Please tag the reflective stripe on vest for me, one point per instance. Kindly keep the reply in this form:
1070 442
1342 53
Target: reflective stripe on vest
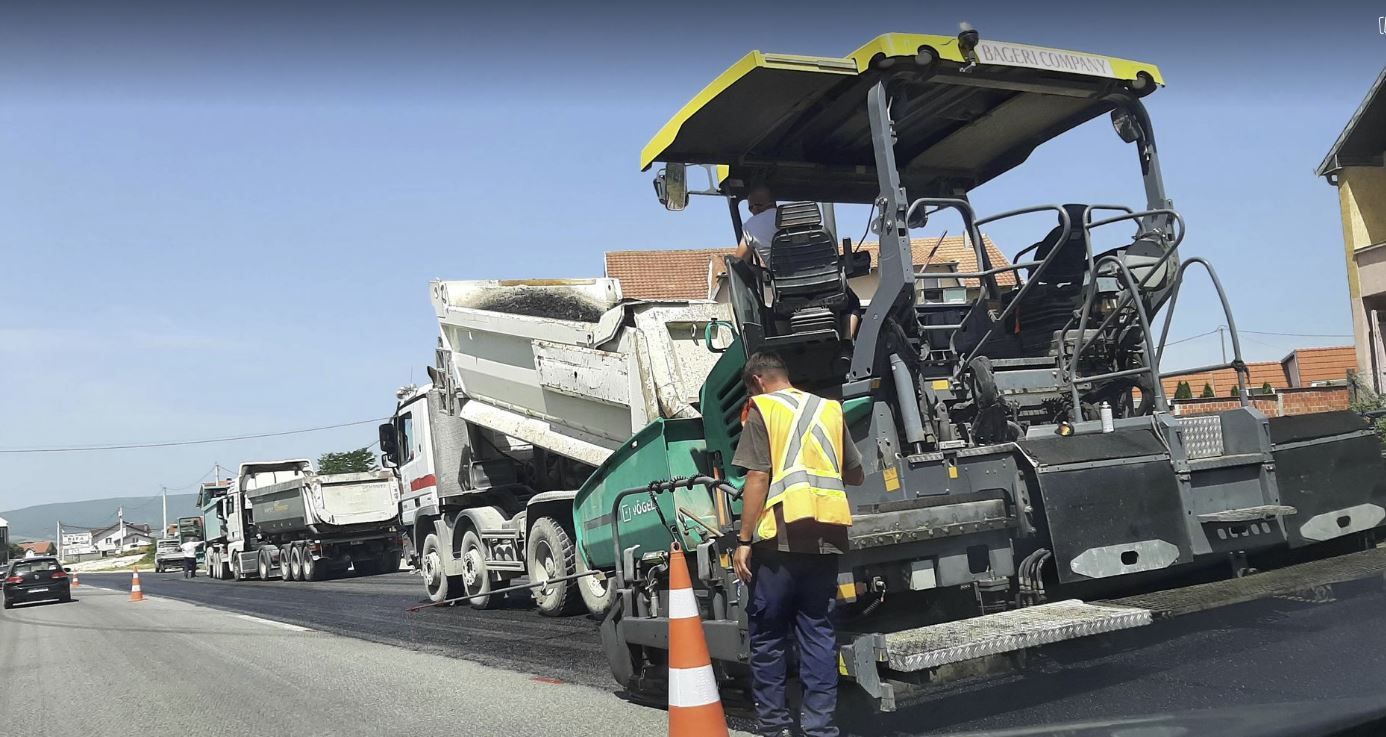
806 462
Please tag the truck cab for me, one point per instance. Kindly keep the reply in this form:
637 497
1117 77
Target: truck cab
480 509
167 555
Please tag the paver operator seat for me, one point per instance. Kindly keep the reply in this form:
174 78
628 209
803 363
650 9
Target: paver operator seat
1049 304
807 285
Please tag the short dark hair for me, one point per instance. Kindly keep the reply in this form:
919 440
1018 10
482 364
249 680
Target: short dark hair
764 363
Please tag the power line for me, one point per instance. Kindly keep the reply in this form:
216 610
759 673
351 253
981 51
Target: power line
1297 335
1191 337
172 443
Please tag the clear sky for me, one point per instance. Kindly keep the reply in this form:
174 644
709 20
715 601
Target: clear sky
221 218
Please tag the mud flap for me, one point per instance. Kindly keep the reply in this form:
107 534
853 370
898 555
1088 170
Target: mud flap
618 653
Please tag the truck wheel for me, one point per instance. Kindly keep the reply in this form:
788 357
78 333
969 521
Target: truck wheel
264 566
366 566
308 569
296 563
549 554
595 590
438 585
476 575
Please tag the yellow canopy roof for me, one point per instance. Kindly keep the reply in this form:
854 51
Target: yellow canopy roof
799 123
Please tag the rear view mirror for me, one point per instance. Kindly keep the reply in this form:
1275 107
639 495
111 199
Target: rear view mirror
1125 126
388 445
67 570
671 186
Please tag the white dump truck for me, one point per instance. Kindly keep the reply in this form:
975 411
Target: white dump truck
536 383
279 519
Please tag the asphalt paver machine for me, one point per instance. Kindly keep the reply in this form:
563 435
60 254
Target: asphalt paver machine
1027 481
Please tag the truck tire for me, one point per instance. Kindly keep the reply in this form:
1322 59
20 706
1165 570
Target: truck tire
296 563
264 566
438 585
549 554
476 575
595 590
308 568
366 566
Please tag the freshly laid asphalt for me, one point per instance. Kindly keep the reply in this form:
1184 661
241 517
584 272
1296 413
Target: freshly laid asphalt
1268 652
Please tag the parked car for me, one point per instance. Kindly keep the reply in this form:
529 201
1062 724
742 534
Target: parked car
36 579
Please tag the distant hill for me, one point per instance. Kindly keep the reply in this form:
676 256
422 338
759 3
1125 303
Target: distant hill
39 521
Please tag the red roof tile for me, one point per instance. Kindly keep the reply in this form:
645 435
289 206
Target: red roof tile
684 274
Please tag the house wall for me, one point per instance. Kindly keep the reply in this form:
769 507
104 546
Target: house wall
1362 201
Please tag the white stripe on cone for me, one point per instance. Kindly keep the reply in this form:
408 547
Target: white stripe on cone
692 686
682 605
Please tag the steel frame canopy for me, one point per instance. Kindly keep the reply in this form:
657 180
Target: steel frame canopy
961 115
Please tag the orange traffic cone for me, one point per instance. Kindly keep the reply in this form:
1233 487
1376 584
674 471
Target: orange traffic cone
135 593
76 580
695 708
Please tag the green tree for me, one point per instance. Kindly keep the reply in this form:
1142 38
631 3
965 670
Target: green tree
15 551
1207 392
351 461
1267 389
1183 391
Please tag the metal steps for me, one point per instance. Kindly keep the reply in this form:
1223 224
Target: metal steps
1017 629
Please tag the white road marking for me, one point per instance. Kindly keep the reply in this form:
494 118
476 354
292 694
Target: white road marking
272 623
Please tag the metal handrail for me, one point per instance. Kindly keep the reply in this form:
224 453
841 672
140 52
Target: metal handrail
652 488
1175 238
1236 364
1034 278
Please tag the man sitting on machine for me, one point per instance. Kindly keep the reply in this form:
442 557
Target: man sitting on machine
758 236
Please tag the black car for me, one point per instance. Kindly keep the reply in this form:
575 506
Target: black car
36 579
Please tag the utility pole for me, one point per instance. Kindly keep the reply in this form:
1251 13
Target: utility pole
1222 343
164 530
58 541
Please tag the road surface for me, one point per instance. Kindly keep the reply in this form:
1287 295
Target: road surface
1266 652
174 668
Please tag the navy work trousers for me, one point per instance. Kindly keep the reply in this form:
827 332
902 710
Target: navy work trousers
793 590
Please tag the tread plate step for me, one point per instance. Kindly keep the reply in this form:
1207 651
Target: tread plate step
1017 629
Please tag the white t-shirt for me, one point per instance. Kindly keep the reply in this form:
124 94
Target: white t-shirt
759 230
189 548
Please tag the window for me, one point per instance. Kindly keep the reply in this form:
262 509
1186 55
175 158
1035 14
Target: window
406 437
34 566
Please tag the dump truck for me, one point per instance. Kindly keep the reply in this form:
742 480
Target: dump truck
209 507
1027 480
279 519
536 384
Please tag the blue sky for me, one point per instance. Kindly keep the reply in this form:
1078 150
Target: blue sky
222 219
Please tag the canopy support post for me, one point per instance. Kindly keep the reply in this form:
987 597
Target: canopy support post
896 258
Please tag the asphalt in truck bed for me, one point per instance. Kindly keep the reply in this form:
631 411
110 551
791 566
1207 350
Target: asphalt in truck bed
1267 652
